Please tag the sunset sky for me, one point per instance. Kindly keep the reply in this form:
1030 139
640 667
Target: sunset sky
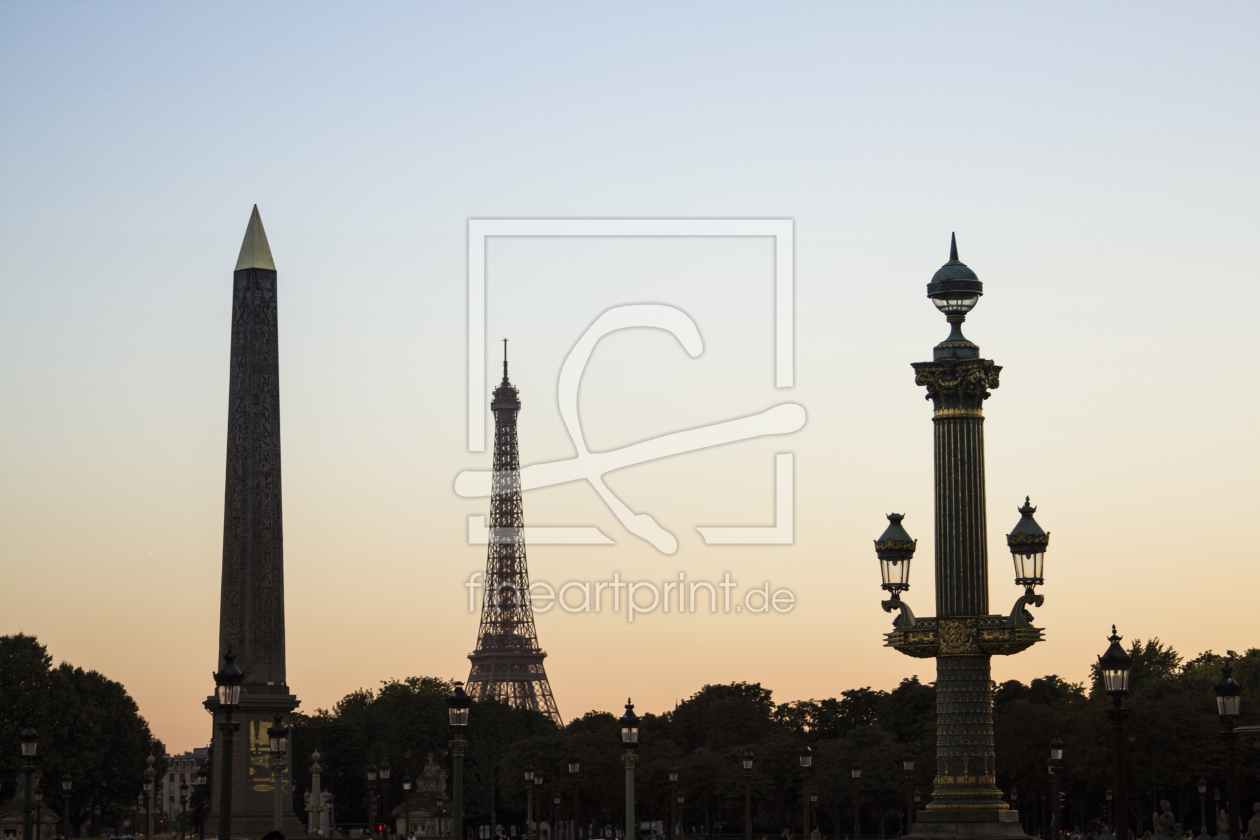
1098 163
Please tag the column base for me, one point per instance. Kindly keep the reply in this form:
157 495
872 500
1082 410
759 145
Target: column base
966 825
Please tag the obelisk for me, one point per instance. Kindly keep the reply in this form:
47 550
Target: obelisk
251 611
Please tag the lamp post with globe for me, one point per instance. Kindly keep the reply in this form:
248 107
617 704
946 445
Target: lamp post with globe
66 784
575 768
538 804
30 743
149 774
963 636
855 772
1115 665
278 740
529 800
457 705
1202 805
806 758
746 758
1056 761
1229 706
227 689
629 739
673 795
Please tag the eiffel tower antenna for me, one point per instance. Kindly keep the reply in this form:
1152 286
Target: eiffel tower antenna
508 663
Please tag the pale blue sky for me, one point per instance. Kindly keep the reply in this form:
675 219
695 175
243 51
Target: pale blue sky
1097 160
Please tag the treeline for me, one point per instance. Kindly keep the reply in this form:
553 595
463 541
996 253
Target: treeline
88 727
1174 740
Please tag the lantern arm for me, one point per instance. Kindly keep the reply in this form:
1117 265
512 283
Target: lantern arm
1021 617
906 620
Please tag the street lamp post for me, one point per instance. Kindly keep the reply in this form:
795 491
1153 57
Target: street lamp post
183 808
66 784
1111 825
372 798
856 773
1056 761
575 767
538 803
149 774
278 736
227 685
679 799
747 759
629 738
529 799
556 834
813 813
1229 705
1014 804
30 743
96 819
202 804
907 765
1115 665
39 812
1202 805
673 796
382 815
457 705
963 637
807 761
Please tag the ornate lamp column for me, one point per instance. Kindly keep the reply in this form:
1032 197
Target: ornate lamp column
278 736
67 783
227 690
372 798
30 742
747 760
1115 665
966 802
149 773
538 802
575 767
630 738
807 761
1056 761
907 765
856 774
1228 704
1202 805
457 711
673 796
529 800
202 804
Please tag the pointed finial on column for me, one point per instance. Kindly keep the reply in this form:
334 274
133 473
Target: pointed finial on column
953 247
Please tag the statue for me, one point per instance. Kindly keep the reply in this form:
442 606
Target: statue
1166 826
1253 825
1222 825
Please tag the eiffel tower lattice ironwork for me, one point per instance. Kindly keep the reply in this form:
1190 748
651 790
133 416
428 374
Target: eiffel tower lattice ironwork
508 663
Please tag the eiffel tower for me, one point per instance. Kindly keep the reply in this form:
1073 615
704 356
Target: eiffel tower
508 663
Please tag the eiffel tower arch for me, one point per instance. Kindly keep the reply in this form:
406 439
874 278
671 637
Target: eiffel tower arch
508 663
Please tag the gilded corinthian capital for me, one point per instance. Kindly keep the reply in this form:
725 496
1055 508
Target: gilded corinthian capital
957 385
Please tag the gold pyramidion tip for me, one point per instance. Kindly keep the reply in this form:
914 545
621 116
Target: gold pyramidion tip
255 252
